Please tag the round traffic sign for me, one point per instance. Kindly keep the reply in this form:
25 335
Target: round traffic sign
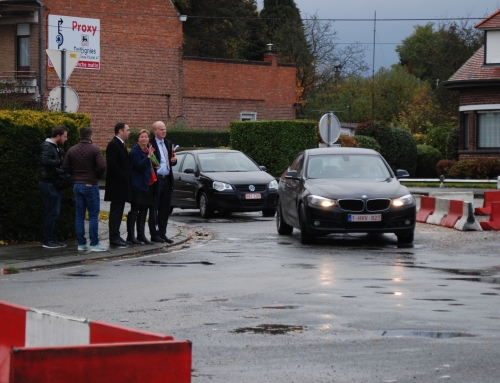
329 128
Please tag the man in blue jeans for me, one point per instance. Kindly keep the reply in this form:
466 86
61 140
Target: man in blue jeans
52 160
86 162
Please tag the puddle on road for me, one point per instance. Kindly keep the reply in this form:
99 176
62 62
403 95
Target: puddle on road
173 264
349 296
272 329
426 334
489 294
281 307
373 287
285 243
300 266
218 300
495 280
435 299
81 274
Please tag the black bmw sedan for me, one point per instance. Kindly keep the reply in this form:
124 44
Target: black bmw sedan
343 190
224 181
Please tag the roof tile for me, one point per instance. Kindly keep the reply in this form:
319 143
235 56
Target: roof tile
474 69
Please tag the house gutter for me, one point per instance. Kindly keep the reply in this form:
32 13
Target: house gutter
40 52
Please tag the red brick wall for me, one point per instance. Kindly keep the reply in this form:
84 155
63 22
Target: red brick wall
140 63
8 48
216 91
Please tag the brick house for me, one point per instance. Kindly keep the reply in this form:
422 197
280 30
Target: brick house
139 74
478 84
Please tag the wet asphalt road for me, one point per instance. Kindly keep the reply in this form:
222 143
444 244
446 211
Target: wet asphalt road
260 307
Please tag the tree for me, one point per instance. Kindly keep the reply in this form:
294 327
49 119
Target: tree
222 29
434 53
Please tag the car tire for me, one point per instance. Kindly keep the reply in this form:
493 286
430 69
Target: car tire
268 212
282 227
406 238
206 210
305 236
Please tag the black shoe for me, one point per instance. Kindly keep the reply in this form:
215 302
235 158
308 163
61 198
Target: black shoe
131 240
157 239
119 242
164 237
144 240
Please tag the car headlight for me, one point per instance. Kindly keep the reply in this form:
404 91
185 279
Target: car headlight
273 185
321 201
403 201
221 186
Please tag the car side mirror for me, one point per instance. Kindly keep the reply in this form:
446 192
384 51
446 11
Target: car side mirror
400 173
189 171
292 174
263 168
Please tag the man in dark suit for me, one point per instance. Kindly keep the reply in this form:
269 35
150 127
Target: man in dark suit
118 189
160 211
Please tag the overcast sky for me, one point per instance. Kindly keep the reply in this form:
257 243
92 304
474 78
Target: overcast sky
389 33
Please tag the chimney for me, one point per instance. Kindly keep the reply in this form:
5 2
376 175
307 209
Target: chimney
270 55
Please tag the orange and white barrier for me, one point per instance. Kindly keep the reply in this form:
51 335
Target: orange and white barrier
40 346
494 221
490 196
457 214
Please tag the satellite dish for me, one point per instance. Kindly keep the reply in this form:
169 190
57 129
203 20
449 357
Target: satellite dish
54 100
329 128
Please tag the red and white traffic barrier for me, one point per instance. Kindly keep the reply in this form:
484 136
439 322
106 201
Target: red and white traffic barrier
490 196
457 214
40 346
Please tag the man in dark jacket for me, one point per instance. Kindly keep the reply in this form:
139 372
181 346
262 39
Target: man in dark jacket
86 162
160 211
52 160
117 181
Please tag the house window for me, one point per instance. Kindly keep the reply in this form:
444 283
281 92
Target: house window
488 130
466 130
23 49
248 116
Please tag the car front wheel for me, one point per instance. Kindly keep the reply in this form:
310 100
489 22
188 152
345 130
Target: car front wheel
406 238
205 207
282 227
305 236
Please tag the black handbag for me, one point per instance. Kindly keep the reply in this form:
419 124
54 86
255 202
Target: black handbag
63 181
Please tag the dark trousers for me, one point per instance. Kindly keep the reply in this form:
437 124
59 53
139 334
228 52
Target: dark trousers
115 219
160 211
52 199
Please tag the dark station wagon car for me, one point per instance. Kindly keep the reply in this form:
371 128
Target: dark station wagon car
224 181
344 190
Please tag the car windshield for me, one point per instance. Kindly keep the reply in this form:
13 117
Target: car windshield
226 162
347 166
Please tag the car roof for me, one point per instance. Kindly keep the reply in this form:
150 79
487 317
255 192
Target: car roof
339 150
205 151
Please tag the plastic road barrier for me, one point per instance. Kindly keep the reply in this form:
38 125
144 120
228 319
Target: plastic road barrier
427 206
40 346
490 196
494 222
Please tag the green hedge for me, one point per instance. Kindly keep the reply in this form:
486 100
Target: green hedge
368 143
427 160
452 143
21 207
480 168
437 138
398 145
187 138
273 144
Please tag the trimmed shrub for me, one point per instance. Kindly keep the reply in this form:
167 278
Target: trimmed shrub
368 143
462 169
437 138
273 144
453 143
347 141
397 145
427 159
419 138
187 138
444 166
21 207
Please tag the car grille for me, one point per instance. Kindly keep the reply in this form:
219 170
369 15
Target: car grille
351 204
245 189
378 204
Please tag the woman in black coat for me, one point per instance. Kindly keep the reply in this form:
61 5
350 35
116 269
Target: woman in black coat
142 178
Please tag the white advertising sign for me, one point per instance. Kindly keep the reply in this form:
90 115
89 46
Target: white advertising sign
77 34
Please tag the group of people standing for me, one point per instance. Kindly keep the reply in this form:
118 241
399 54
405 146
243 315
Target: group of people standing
142 178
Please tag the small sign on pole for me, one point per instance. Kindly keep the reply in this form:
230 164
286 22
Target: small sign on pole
329 129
